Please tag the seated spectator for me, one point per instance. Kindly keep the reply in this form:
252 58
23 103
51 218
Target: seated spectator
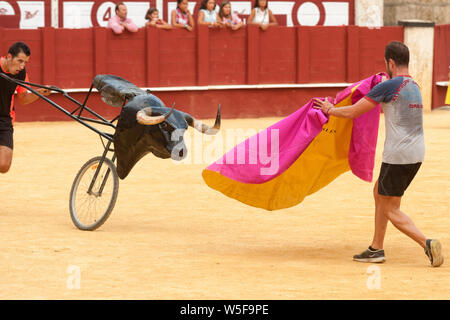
207 15
229 19
120 22
261 15
152 16
181 17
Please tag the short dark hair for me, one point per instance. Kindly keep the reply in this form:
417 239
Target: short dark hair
398 52
118 5
19 47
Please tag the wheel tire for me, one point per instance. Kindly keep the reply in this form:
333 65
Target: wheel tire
78 197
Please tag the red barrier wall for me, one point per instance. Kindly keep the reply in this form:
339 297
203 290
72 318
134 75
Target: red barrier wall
441 63
151 57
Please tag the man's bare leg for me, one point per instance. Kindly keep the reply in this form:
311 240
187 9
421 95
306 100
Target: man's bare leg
390 207
387 208
6 154
381 221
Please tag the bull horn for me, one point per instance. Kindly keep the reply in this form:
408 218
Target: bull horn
203 128
145 117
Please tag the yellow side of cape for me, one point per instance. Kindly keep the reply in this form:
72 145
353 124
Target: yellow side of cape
322 161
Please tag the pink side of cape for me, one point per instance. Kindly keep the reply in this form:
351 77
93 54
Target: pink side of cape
252 161
363 144
288 138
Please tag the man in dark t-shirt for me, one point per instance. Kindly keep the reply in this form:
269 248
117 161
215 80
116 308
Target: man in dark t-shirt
13 65
403 154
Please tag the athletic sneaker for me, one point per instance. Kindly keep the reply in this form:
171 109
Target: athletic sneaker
374 256
433 251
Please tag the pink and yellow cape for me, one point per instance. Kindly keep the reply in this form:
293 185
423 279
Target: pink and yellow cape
297 156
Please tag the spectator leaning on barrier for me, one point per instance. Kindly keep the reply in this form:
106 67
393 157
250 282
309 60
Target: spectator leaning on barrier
120 22
181 17
261 15
229 19
152 16
207 15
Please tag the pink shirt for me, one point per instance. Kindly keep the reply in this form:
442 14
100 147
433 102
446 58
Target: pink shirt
233 20
114 24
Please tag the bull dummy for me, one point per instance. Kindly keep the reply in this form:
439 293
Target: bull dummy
145 124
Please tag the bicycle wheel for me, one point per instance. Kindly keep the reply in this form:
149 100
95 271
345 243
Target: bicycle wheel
89 209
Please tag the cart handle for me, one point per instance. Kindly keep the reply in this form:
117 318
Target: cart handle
25 85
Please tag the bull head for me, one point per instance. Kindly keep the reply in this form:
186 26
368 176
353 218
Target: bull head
157 129
145 124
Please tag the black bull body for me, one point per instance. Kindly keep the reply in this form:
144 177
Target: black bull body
145 125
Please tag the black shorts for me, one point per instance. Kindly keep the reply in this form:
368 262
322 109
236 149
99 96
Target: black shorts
6 136
394 179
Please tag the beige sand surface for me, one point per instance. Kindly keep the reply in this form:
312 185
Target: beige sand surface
171 237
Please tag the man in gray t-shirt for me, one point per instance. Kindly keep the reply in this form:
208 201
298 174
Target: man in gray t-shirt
404 150
401 101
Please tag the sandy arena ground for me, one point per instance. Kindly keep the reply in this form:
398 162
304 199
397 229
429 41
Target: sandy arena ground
171 237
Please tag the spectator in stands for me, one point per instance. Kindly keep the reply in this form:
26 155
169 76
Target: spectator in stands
181 17
261 15
229 19
208 15
120 22
152 16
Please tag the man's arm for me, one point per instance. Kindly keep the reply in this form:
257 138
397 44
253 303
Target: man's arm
115 26
130 25
353 111
29 97
26 97
378 94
